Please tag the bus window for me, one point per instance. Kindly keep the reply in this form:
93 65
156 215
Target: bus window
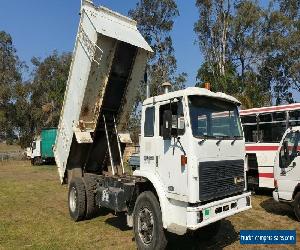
265 118
250 132
250 128
279 117
265 128
279 126
251 119
294 118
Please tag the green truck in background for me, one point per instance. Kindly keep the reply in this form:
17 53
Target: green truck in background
42 147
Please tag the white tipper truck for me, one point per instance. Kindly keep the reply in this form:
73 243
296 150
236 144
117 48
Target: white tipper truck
191 172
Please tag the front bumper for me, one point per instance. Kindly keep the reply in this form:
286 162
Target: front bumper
201 216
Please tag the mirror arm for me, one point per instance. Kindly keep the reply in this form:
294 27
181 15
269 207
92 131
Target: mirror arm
178 140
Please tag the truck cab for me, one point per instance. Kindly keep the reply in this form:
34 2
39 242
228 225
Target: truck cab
287 170
36 155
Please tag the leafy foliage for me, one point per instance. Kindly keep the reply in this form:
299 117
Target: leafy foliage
26 107
10 77
155 20
48 87
254 57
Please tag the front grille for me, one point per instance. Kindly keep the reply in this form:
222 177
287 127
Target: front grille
218 178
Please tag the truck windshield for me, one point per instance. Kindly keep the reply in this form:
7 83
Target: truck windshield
289 149
212 118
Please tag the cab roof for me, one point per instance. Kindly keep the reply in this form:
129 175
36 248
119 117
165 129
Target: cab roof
188 92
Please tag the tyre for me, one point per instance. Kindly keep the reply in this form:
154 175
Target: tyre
208 232
37 161
297 206
147 223
90 187
77 199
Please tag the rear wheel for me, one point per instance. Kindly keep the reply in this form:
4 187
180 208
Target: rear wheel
77 199
297 206
148 227
90 187
37 161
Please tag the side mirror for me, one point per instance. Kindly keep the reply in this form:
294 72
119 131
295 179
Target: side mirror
167 125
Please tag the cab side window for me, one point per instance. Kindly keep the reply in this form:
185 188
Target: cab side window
177 117
149 122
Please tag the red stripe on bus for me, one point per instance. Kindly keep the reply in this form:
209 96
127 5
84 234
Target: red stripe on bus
269 109
261 148
266 175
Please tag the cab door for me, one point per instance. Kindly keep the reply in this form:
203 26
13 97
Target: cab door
288 165
170 150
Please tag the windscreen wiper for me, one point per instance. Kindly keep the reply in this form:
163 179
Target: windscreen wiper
235 137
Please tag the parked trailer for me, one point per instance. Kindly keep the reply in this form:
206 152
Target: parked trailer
263 129
191 169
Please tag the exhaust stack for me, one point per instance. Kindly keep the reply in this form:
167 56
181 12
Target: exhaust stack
166 87
147 84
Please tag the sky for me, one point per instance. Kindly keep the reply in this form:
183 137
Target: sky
38 27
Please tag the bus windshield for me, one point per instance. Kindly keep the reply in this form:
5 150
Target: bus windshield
212 118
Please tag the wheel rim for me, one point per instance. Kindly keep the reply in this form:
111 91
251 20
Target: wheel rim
73 199
145 225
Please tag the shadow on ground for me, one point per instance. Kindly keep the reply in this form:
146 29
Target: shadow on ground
263 191
273 207
119 222
226 236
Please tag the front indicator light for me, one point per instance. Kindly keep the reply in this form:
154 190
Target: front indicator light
183 160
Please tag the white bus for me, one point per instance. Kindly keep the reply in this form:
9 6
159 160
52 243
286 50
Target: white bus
263 129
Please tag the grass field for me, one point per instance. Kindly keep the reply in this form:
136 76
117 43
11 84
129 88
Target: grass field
9 148
34 214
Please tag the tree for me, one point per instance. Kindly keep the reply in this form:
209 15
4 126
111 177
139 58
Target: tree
23 121
48 87
212 31
10 76
231 41
283 49
155 20
261 50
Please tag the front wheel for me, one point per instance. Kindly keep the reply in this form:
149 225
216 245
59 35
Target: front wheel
147 224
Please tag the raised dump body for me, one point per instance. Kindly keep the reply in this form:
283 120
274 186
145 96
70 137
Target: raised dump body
108 64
